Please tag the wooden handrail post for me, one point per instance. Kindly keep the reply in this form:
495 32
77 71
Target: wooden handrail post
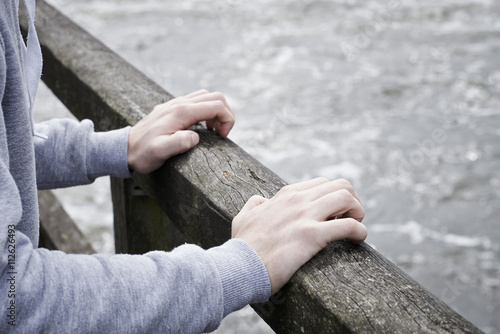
140 225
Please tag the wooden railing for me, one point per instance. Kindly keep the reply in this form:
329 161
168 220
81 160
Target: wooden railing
194 196
57 229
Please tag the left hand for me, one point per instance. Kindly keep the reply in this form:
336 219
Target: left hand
299 221
162 134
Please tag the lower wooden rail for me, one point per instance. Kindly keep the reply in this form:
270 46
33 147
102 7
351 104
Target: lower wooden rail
57 229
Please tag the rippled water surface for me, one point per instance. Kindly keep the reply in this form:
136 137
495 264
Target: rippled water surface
400 97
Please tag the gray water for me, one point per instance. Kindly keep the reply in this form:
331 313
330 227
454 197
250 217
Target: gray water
400 97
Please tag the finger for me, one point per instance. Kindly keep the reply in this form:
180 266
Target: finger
211 124
185 98
305 185
177 143
330 187
209 110
218 128
215 96
223 128
195 94
346 228
340 203
253 202
181 99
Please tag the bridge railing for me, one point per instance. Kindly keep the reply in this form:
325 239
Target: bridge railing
344 289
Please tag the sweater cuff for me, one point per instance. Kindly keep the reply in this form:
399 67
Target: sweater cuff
244 277
107 153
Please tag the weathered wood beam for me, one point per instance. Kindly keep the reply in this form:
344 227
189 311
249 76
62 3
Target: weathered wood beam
140 225
57 229
345 288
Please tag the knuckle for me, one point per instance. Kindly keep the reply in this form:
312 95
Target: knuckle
180 109
158 108
158 112
156 149
302 210
361 214
295 200
295 197
308 231
345 195
185 143
219 96
292 198
344 183
323 179
219 104
286 189
255 198
351 226
312 234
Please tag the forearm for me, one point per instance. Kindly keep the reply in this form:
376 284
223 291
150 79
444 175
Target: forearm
74 154
188 290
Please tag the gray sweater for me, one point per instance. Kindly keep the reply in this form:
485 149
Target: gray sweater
188 290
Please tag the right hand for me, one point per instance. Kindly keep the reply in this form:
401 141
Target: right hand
162 133
300 220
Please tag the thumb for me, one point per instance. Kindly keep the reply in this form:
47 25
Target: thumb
181 141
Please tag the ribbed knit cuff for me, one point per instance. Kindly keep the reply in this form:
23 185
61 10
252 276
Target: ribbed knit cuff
244 277
107 153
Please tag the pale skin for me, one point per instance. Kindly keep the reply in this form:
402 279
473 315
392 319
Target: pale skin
286 230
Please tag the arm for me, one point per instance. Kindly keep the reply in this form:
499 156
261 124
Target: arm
74 154
185 291
188 290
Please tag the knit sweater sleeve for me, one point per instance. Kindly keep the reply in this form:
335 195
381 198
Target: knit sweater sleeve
73 154
188 290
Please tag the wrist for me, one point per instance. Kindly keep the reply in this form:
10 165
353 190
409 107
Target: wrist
108 153
243 275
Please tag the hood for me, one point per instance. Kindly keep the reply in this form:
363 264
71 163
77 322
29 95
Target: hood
33 62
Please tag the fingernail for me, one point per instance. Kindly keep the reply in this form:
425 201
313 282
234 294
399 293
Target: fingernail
195 138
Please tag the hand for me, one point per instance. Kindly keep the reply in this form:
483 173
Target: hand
162 133
300 220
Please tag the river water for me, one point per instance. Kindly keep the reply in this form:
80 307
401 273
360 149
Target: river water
400 97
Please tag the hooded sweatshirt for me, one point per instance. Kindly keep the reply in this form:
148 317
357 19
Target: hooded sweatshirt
188 290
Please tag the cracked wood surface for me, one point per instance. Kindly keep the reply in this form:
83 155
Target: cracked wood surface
345 288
